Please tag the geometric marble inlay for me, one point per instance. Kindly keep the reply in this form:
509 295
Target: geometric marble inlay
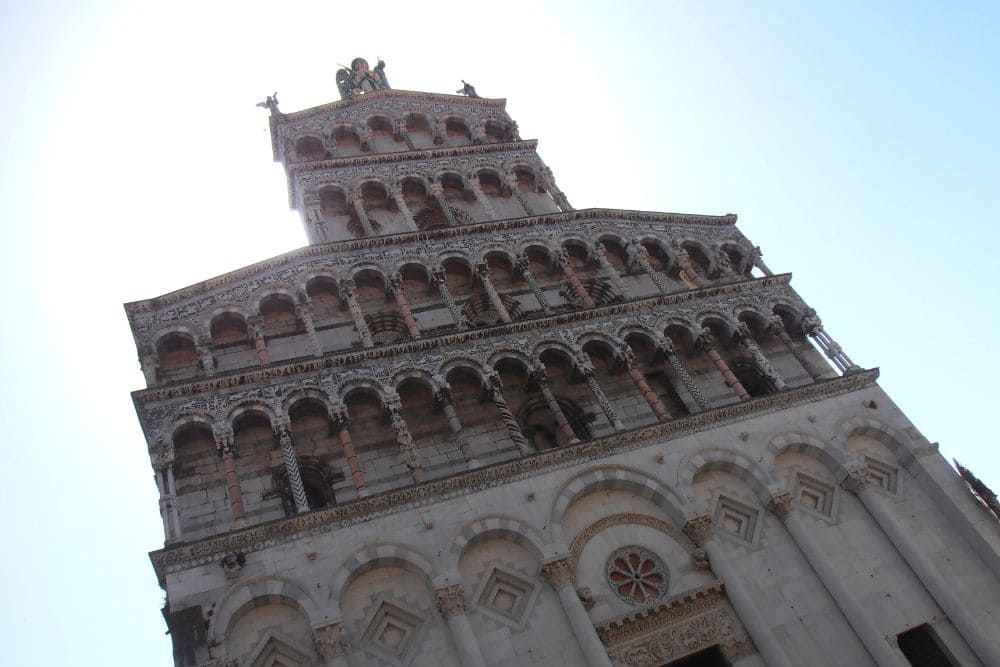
637 575
506 596
881 475
391 632
813 494
735 518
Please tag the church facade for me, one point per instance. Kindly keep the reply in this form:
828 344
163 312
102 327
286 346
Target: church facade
468 424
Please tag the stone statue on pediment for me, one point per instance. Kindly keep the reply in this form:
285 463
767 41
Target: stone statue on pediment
359 78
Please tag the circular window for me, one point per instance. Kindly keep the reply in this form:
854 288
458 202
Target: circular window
637 575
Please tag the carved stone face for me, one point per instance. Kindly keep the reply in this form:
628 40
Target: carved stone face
359 65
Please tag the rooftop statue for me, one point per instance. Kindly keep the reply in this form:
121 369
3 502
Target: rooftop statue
467 89
271 104
359 79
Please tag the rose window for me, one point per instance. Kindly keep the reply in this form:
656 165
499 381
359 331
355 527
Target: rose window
637 575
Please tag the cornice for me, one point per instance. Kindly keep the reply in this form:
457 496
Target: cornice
332 360
479 228
626 626
256 538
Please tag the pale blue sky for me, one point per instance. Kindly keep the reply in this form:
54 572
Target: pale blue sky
859 145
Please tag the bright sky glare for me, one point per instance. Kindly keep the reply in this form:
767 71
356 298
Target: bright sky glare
857 142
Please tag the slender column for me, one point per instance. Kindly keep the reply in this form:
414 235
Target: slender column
670 352
225 443
351 296
982 644
560 572
358 202
757 258
691 273
707 343
437 191
562 260
493 384
314 215
407 450
439 278
283 431
610 271
549 183
163 466
204 349
477 189
329 141
367 138
641 257
483 273
812 325
627 358
395 288
512 184
699 529
149 362
860 620
440 132
542 378
404 208
450 601
401 133
524 266
585 367
746 339
723 262
304 312
255 326
443 397
339 421
331 644
777 328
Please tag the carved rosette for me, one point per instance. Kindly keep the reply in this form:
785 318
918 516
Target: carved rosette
637 575
450 600
560 572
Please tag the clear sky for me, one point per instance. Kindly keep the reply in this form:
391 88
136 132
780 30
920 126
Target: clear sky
857 143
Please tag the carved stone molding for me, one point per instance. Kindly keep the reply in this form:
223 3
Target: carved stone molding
780 505
856 479
699 528
634 518
364 509
678 627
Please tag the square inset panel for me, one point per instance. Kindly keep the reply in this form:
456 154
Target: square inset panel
813 494
882 475
735 518
391 632
506 596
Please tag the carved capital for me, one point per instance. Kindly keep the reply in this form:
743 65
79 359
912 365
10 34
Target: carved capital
780 505
329 640
539 374
705 340
163 454
856 479
699 529
338 416
394 285
232 563
450 600
225 440
775 325
666 346
559 572
356 197
742 331
625 356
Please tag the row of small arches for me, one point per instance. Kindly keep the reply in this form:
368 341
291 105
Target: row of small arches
382 133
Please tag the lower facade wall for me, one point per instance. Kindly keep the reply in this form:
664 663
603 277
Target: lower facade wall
478 579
